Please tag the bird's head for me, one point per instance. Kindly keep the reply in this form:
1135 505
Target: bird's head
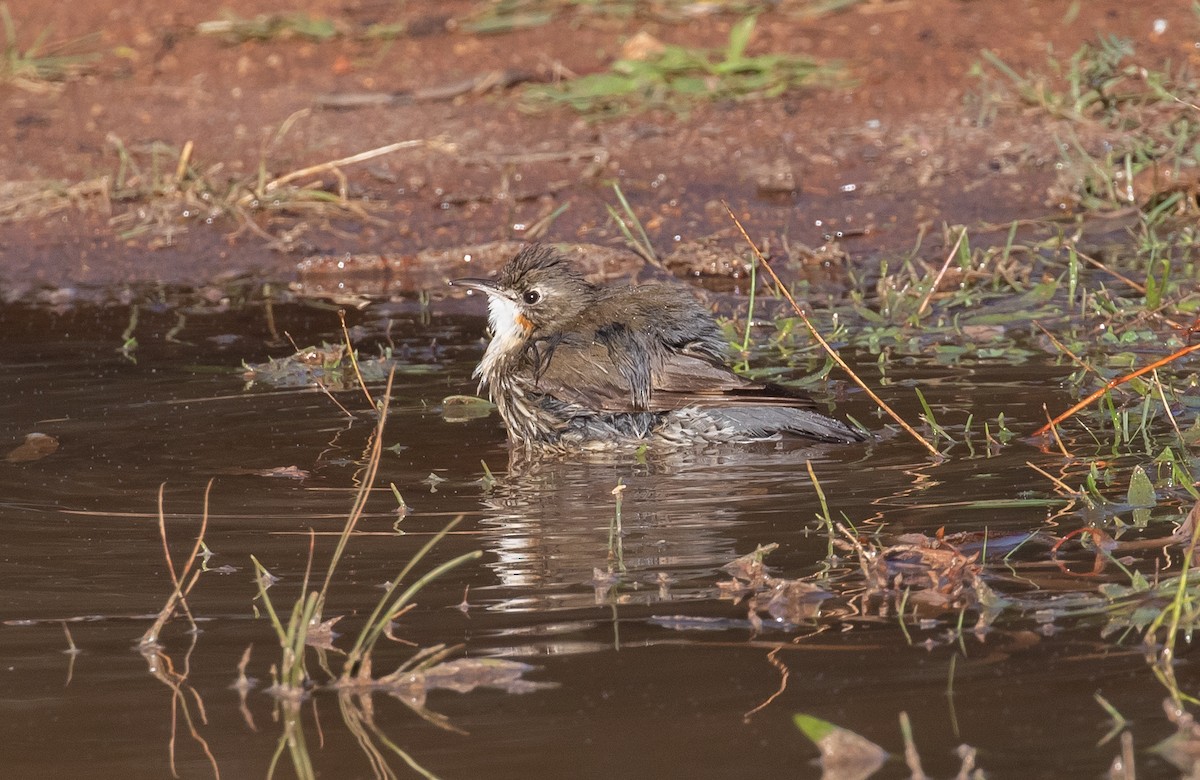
536 295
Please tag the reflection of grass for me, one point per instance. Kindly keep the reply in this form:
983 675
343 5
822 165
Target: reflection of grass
306 613
677 76
303 628
33 67
158 662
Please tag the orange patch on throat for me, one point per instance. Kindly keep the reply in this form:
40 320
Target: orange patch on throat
524 322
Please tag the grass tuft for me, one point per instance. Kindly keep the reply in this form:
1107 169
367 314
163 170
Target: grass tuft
40 66
676 77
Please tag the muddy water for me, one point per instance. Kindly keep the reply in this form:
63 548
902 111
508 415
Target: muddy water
643 688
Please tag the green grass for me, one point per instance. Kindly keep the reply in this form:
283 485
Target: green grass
676 77
36 66
265 27
502 16
631 227
1128 133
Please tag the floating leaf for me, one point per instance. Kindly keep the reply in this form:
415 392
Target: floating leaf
466 674
462 675
844 754
322 635
278 472
1141 496
1181 749
1141 490
433 480
35 447
697 623
460 408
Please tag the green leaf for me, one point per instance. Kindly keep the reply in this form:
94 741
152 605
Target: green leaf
460 408
843 752
1141 490
739 38
812 727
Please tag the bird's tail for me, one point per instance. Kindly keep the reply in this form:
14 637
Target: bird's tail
766 421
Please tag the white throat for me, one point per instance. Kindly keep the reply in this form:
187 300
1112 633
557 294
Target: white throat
507 334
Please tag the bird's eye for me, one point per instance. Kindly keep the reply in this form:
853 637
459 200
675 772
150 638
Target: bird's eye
531 297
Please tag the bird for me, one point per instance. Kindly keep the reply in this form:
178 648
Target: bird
572 365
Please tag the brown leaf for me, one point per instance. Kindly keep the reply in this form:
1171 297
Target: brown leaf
466 674
845 755
1187 529
641 47
750 567
285 472
463 675
796 601
322 636
36 447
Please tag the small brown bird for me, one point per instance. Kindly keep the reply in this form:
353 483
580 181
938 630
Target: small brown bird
572 365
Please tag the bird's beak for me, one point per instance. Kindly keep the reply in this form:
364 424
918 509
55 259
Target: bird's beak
486 286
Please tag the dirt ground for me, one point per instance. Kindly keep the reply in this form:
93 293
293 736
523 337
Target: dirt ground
904 142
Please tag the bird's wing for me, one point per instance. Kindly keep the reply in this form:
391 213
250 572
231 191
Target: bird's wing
637 378
584 374
685 380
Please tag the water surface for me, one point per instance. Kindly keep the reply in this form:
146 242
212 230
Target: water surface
640 690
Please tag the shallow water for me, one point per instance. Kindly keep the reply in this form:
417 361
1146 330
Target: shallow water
641 691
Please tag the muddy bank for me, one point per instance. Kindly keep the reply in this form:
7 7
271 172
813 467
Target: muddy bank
901 140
